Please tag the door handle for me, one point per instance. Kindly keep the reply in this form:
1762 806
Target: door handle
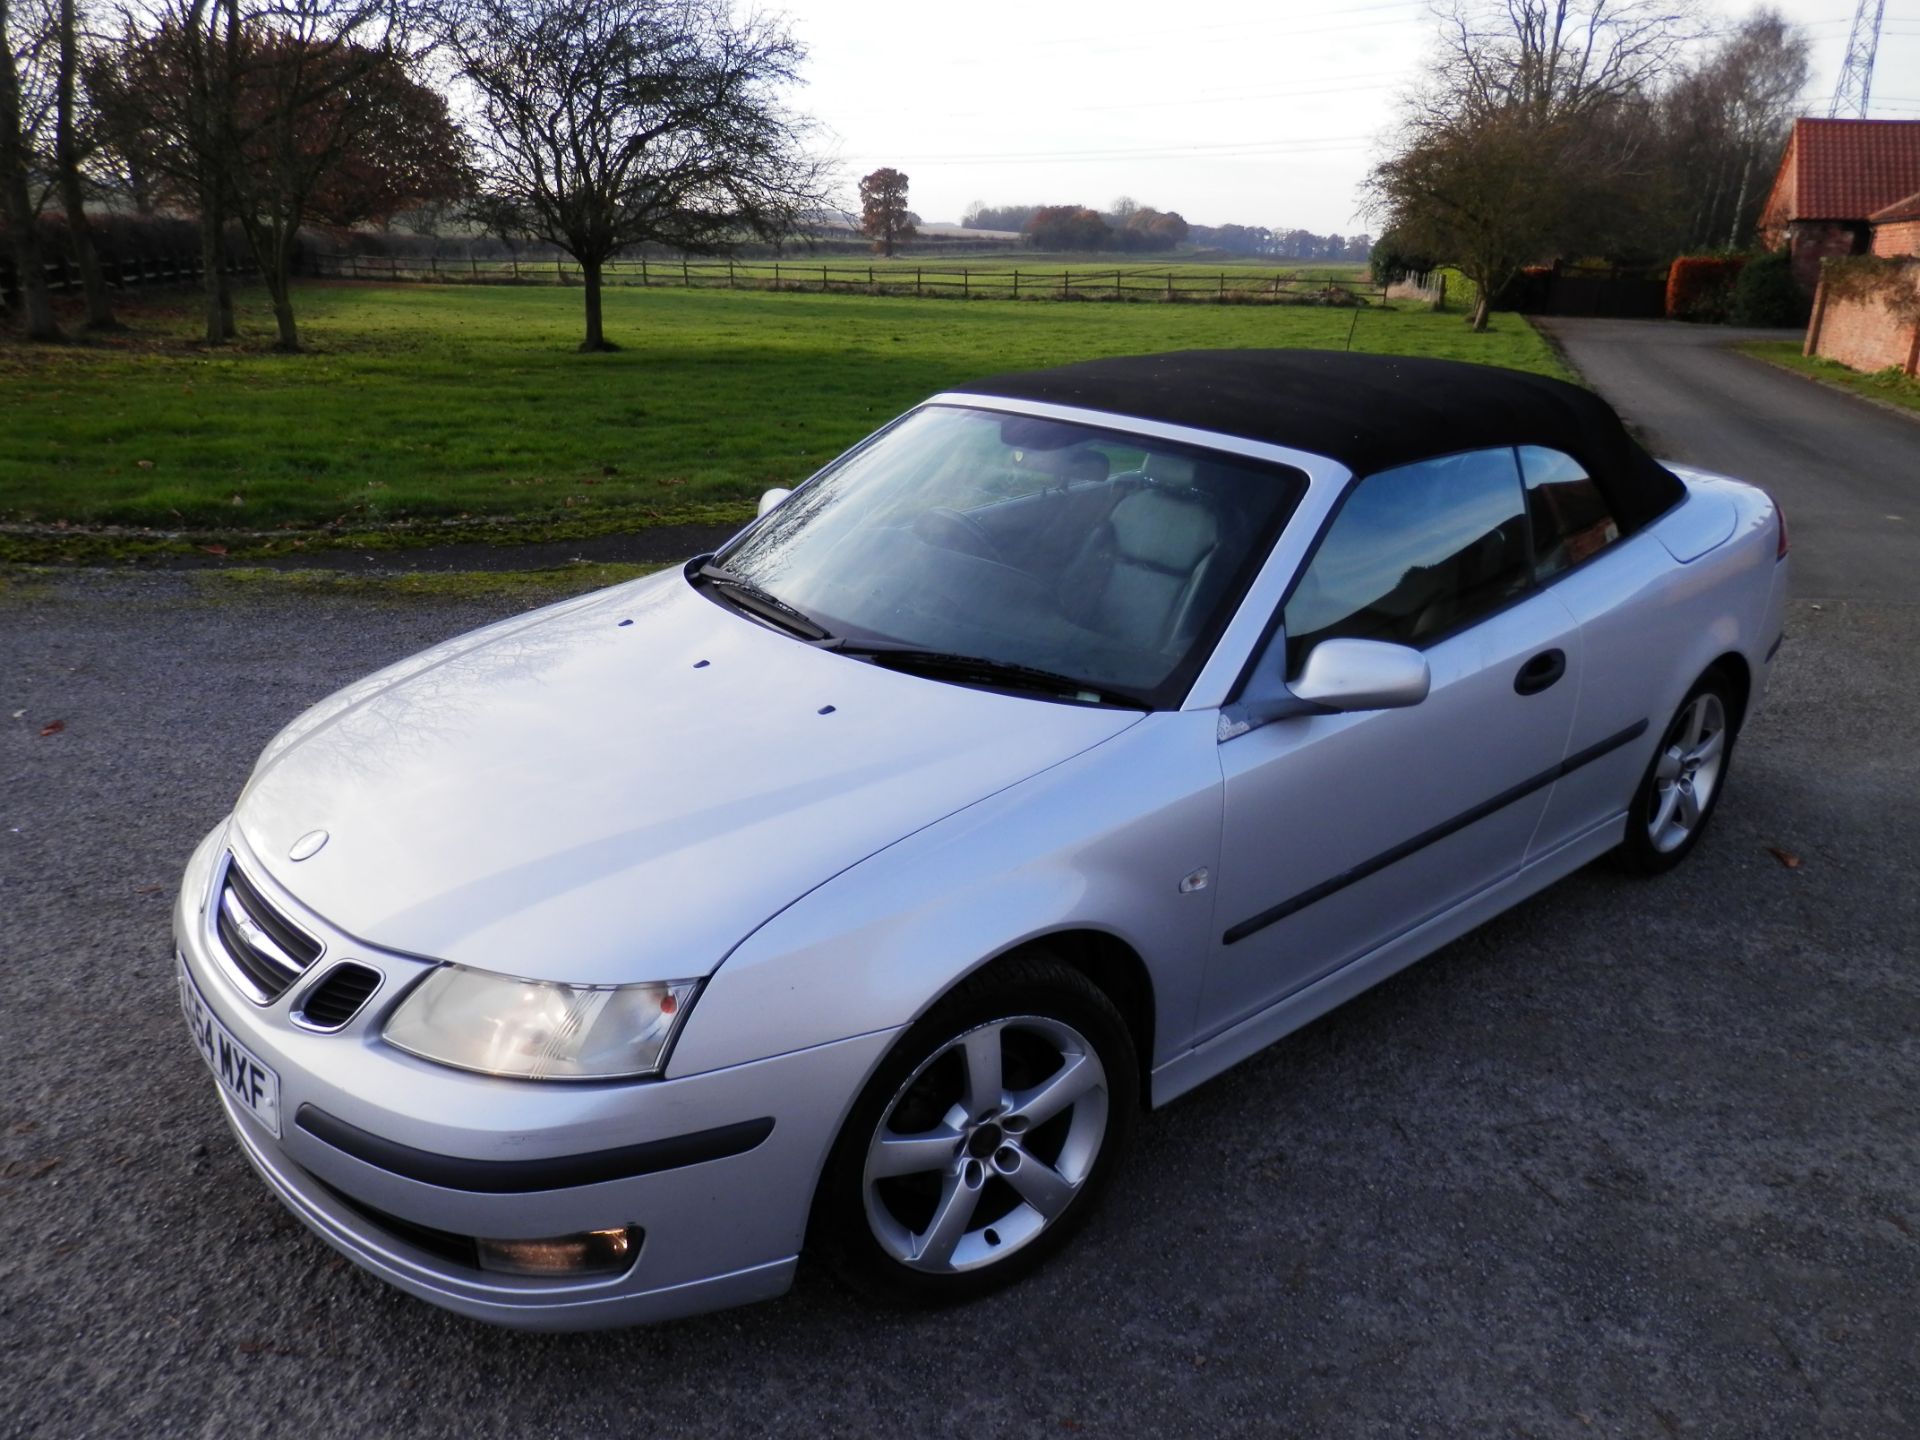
1540 672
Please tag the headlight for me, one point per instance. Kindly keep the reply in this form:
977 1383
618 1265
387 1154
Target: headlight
537 1029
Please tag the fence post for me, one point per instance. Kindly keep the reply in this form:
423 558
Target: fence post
1169 284
1116 284
776 274
1811 346
1223 284
1066 279
1442 304
824 286
869 277
966 283
1016 284
729 272
685 278
916 280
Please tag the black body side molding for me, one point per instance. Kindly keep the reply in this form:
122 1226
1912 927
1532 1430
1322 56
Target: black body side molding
1439 832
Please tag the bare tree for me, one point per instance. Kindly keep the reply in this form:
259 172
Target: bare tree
1529 132
609 123
1725 122
883 209
24 39
1554 60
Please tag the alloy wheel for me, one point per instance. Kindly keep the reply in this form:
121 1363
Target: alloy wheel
1686 772
986 1145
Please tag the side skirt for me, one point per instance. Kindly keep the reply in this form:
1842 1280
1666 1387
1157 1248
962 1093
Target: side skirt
1282 1018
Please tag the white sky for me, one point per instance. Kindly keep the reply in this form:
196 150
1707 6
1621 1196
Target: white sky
1257 112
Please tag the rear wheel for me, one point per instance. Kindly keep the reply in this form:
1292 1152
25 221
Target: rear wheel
1676 798
984 1139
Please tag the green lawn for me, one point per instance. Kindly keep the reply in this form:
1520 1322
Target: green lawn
428 403
1888 385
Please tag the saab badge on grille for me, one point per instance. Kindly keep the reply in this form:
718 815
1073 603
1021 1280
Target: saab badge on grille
308 845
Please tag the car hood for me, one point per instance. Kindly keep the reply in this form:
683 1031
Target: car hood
624 787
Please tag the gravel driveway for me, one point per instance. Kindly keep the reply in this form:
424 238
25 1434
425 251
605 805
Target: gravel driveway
1638 1159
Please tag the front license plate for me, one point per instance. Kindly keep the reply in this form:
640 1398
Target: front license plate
238 1069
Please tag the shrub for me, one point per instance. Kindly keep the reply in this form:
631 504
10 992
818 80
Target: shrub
1765 293
1700 287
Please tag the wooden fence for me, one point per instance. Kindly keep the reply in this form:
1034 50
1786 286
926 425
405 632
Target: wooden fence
932 281
122 272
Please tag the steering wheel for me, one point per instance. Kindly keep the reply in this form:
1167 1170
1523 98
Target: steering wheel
952 529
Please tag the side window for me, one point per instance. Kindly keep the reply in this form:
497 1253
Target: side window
1413 554
1569 515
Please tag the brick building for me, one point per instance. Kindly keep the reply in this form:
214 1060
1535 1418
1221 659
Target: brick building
1896 229
1834 181
1880 329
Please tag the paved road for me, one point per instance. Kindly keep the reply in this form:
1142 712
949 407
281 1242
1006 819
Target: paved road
1846 471
1638 1159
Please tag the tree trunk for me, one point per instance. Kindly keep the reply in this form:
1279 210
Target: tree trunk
213 276
596 336
1482 308
1740 203
275 264
16 204
72 194
35 298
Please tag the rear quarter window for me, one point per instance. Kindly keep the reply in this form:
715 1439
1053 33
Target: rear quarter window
1570 518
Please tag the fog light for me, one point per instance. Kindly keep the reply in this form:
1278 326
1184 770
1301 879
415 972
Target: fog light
594 1252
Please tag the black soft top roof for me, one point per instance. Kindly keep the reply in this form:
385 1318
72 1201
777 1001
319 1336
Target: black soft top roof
1370 412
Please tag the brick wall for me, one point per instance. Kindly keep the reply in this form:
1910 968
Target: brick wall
1864 333
1817 240
1899 237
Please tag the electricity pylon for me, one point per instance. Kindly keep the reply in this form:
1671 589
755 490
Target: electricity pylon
1856 71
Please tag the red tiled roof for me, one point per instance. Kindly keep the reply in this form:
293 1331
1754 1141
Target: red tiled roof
1848 169
1907 209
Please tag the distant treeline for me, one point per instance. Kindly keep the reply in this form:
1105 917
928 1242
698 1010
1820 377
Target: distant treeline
1127 225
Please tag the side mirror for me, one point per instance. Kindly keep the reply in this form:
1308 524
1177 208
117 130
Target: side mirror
1339 675
771 498
1362 675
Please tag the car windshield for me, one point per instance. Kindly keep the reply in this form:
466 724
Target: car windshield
1104 560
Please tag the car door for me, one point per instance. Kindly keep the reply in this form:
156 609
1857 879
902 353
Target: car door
1342 831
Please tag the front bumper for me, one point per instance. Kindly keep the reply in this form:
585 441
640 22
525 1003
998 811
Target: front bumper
717 1231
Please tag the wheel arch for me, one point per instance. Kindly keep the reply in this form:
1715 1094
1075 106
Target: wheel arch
1116 968
1739 673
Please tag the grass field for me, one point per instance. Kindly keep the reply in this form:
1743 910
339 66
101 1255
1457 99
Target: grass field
429 402
1888 385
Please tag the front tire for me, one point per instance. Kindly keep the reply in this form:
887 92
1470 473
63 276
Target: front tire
1682 785
984 1139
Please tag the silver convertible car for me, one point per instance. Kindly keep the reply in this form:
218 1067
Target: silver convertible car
851 890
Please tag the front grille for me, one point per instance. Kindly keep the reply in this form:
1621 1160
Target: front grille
339 996
266 948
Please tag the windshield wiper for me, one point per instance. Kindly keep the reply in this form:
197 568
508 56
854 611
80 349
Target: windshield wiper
1004 674
748 596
